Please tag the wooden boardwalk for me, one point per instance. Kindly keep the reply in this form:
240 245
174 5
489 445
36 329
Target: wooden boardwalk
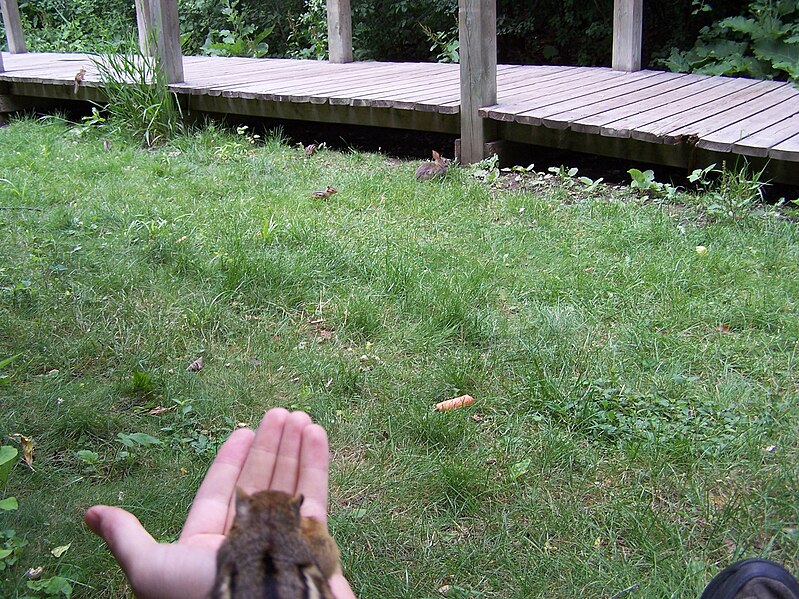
671 118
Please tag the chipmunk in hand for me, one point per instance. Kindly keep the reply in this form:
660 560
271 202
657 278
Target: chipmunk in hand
271 551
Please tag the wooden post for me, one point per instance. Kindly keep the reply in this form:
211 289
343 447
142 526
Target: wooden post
165 22
339 30
477 20
144 24
627 27
13 25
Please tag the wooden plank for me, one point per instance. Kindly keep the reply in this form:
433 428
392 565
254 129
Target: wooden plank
762 142
477 25
786 150
339 30
302 91
164 14
567 97
747 119
590 118
533 92
628 19
622 121
13 26
689 121
566 114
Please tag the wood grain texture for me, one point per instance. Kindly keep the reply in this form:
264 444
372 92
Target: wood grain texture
144 25
166 23
628 19
477 21
339 30
13 26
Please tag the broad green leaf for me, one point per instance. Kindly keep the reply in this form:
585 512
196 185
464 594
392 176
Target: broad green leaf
52 586
9 504
7 456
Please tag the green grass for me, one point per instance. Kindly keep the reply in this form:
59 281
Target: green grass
627 387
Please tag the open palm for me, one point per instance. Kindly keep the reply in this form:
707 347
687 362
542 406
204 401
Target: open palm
286 453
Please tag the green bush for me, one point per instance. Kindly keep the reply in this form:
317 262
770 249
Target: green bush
75 26
763 44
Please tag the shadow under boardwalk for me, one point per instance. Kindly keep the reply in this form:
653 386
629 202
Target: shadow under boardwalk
664 118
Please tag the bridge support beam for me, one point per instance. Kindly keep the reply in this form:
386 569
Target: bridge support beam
144 25
628 18
164 21
477 20
13 25
339 30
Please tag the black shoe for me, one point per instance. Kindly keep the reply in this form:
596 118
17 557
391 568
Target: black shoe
753 579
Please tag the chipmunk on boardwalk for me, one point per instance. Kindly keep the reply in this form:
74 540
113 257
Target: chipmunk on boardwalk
271 551
78 79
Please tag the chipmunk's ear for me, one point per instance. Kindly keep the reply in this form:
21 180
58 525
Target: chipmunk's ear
242 504
296 502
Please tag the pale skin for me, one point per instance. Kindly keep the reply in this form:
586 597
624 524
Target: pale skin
286 453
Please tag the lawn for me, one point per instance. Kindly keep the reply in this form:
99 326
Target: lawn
633 362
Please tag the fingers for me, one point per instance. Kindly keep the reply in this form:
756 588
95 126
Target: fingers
340 587
313 472
287 465
274 455
257 471
209 510
123 533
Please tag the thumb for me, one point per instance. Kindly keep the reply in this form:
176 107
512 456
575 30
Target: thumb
123 533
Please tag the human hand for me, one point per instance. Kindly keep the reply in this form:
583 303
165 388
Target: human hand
287 453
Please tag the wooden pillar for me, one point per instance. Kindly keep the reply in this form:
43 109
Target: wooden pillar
13 25
628 17
165 22
477 20
339 30
144 24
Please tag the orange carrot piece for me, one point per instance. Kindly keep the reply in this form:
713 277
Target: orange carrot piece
455 402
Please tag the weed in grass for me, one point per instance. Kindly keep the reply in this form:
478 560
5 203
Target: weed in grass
139 101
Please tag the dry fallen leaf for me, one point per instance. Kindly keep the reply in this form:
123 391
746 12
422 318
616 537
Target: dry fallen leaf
59 551
27 448
196 366
157 410
724 328
34 573
325 335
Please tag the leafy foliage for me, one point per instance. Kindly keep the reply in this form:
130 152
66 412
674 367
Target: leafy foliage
240 39
75 26
764 44
308 37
